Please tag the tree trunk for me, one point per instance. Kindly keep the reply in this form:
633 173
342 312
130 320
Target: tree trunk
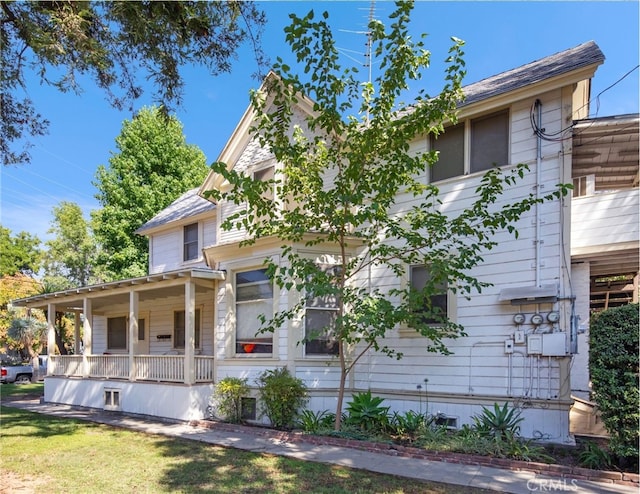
343 380
59 328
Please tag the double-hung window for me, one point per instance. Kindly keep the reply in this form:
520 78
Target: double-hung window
433 308
254 297
190 239
180 326
321 312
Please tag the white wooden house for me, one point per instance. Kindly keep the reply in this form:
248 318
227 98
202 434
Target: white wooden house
156 345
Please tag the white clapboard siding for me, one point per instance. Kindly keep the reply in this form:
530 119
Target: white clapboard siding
159 316
479 364
209 232
165 249
608 218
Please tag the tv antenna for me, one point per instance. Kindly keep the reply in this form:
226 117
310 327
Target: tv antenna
368 54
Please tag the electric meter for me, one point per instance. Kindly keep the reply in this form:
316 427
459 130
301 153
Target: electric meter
518 318
536 319
553 316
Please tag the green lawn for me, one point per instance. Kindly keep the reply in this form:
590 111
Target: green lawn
59 455
17 390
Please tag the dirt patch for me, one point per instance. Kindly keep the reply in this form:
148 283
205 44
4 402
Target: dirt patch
12 483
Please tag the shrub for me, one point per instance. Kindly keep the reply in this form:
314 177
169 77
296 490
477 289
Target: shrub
312 422
408 424
594 457
365 412
613 364
227 398
499 423
281 396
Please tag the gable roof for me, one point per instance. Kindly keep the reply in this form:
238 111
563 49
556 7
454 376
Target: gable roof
188 205
241 135
561 63
580 61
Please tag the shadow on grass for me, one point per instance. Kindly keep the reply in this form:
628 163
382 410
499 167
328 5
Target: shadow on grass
105 457
30 424
205 468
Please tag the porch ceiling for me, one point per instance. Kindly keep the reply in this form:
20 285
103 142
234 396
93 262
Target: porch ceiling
607 148
152 287
612 263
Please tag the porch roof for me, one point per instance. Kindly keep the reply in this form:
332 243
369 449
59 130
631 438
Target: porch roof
116 291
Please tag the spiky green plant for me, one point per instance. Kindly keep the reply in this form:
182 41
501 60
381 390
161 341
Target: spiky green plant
499 423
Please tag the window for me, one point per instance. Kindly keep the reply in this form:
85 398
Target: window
179 327
254 296
488 146
248 408
450 146
264 175
584 185
436 303
141 330
190 235
319 321
117 333
489 141
111 399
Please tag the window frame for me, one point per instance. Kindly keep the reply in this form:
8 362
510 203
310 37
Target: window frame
483 165
110 331
188 243
468 165
407 331
252 346
324 306
142 328
197 330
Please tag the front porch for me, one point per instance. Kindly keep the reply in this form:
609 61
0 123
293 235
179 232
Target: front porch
143 345
156 368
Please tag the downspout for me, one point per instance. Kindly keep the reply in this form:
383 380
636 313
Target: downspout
538 105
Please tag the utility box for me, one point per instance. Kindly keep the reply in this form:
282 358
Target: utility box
534 344
554 344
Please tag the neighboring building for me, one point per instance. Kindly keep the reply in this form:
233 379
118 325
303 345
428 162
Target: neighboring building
156 345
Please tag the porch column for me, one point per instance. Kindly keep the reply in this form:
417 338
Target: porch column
76 332
87 333
133 332
189 331
51 329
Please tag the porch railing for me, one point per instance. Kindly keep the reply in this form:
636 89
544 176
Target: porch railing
159 368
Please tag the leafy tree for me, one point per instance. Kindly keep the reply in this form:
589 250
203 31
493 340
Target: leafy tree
13 287
30 333
339 178
153 167
614 346
71 254
20 253
119 45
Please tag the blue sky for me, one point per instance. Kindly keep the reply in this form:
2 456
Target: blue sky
499 36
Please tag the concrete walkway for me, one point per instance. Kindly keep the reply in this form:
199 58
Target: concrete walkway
494 479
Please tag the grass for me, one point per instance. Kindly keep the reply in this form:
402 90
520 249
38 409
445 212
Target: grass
71 456
18 390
